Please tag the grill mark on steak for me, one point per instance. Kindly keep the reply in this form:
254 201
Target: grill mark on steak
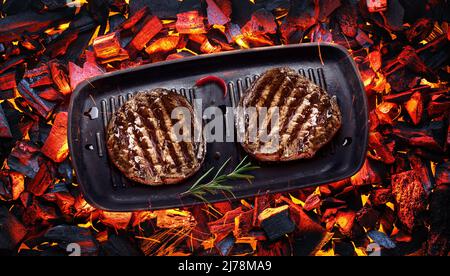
160 138
275 102
187 148
308 117
292 105
146 118
177 149
136 147
302 129
166 131
263 99
256 86
302 115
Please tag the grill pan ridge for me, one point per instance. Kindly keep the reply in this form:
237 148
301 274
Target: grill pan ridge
94 102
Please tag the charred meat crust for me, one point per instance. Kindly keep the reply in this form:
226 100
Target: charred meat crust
141 142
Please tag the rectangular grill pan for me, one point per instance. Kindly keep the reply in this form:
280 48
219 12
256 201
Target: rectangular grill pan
106 188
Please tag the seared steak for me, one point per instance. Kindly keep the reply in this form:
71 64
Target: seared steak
308 117
143 144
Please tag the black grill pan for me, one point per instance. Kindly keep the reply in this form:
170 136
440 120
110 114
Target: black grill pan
94 102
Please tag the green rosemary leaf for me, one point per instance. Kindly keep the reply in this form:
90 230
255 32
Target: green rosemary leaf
218 183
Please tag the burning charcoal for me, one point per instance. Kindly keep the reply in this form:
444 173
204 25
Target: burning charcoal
363 39
261 24
243 224
331 202
62 197
439 105
65 171
376 5
366 175
387 112
174 219
261 203
44 178
421 29
12 231
56 147
39 132
116 21
302 14
83 208
443 174
134 19
12 27
346 15
151 27
78 74
424 172
182 54
407 58
414 107
321 33
410 198
190 23
345 220
313 201
215 14
368 217
7 85
380 196
431 136
163 45
383 150
5 131
116 220
67 234
59 46
107 46
119 246
24 158
225 225
438 240
310 236
39 76
224 246
11 185
60 78
276 222
243 248
41 106
279 248
39 213
11 62
123 55
50 94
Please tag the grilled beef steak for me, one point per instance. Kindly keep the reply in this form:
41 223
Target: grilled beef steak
143 144
308 117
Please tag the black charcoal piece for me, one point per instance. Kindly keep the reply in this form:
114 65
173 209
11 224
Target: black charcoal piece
278 224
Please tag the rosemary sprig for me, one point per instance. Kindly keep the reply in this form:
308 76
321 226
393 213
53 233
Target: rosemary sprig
218 183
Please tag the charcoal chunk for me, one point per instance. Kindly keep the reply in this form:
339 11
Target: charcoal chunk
12 231
276 222
69 237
